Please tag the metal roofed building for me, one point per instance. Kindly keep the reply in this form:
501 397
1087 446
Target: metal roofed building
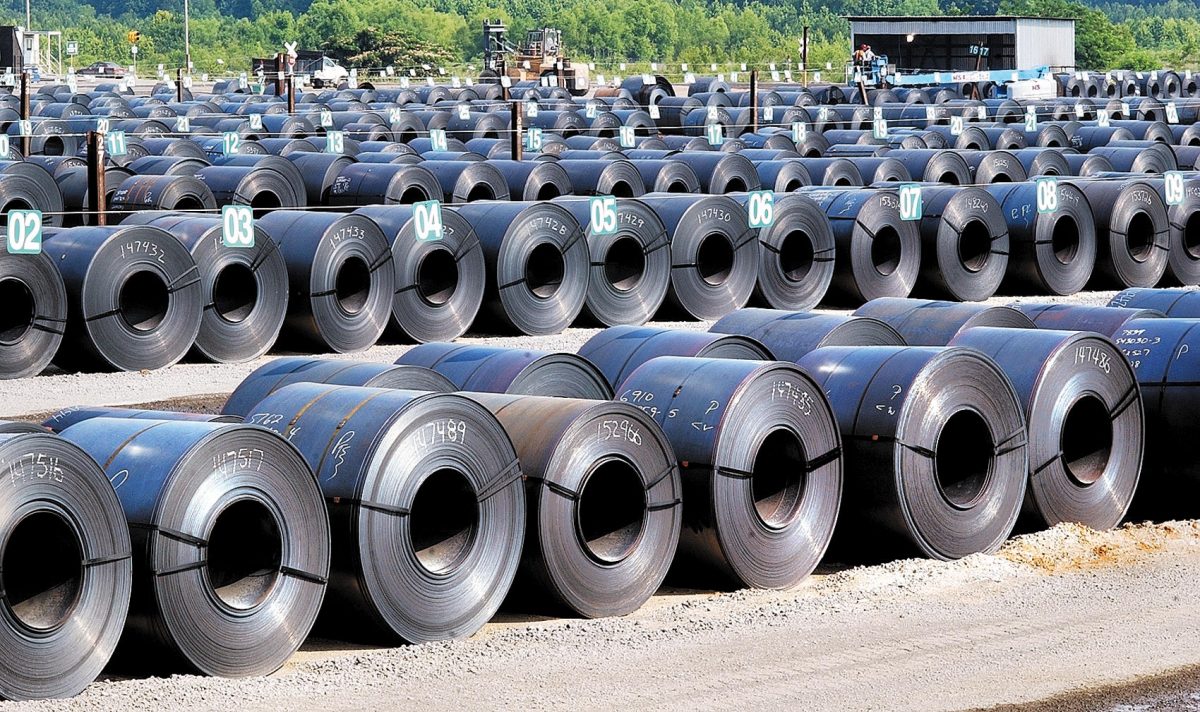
946 42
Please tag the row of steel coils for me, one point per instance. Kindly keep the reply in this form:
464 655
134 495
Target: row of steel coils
408 501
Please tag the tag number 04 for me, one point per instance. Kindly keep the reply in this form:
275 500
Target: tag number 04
603 209
427 219
237 226
24 232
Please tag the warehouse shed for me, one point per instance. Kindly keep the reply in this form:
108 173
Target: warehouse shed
954 43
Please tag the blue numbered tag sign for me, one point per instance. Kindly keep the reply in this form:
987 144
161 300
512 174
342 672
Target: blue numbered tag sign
603 214
237 226
24 232
427 219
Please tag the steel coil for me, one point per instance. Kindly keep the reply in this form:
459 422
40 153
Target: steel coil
790 335
923 322
994 167
133 297
721 172
630 268
760 462
320 171
603 494
280 372
244 291
66 570
618 178
537 265
151 192
1175 303
424 492
384 184
533 180
667 176
261 188
230 539
796 254
16 427
340 275
881 169
1043 162
781 176
168 166
1132 232
64 418
1108 321
465 181
935 448
1163 353
619 350
714 255
494 369
440 282
876 253
1084 415
964 243
34 315
28 186
1052 253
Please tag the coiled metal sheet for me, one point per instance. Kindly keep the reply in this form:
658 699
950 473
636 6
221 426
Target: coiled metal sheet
1050 253
34 314
494 369
619 350
790 335
924 322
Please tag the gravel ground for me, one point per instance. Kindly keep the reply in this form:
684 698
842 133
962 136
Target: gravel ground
1051 610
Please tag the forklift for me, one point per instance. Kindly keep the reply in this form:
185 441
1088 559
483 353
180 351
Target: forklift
539 58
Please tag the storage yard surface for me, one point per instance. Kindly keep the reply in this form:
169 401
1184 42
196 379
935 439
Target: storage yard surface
1061 611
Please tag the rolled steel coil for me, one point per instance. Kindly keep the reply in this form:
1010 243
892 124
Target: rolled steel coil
261 188
760 462
619 350
284 147
65 552
1043 162
340 275
833 171
426 495
964 243
465 181
533 180
1050 253
493 369
1175 303
276 163
1132 232
603 502
667 176
383 184
630 268
1087 165
320 171
280 372
17 427
174 147
796 254
231 542
537 265
151 192
994 167
60 420
714 254
34 316
73 184
935 448
439 282
1084 415
1162 353
721 172
779 175
1136 160
25 186
934 166
618 178
133 297
881 169
876 253
789 335
167 166
1108 321
923 322
244 291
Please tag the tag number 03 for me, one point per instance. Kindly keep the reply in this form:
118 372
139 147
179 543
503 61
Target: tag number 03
237 226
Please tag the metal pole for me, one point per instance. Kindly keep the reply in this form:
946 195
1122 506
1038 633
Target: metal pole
25 111
96 186
187 37
753 101
518 147
278 73
291 88
804 54
179 85
28 17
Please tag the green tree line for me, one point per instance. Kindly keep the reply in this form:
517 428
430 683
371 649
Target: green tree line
698 32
